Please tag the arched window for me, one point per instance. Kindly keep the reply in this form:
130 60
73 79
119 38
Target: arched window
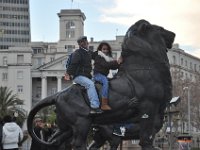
174 59
70 25
181 61
186 63
190 65
70 29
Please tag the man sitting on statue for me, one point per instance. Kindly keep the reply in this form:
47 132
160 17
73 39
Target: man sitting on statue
80 70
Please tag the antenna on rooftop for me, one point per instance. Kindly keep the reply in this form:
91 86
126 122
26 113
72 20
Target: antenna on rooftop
71 3
116 31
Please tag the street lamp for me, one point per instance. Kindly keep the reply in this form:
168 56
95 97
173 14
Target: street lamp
189 122
174 101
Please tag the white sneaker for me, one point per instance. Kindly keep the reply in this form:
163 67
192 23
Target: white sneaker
123 130
117 134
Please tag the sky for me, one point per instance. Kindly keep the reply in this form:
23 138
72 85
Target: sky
107 18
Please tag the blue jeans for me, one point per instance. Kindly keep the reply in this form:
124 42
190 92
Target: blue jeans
91 91
104 81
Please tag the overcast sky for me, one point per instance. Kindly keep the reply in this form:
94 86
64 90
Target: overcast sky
107 18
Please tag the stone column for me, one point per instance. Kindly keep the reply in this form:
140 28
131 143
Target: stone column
59 83
44 87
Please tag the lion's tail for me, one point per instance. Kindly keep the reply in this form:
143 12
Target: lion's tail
48 101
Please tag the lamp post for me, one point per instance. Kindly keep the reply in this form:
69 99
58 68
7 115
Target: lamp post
174 101
188 97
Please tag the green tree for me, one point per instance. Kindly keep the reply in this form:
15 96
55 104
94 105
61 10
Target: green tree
10 104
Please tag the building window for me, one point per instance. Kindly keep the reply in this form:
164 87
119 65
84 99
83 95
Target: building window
20 59
174 59
186 63
70 25
70 48
53 91
20 88
39 60
38 50
20 74
190 65
4 61
53 79
38 92
70 34
38 79
70 29
181 61
5 76
195 67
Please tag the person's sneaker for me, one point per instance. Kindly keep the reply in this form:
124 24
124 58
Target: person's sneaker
95 111
119 131
123 130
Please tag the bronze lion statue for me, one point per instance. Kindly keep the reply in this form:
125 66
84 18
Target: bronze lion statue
144 76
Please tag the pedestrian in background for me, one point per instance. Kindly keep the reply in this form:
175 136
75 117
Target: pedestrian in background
1 128
12 134
39 131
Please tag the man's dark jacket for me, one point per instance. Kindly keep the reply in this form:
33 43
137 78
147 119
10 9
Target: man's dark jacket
80 63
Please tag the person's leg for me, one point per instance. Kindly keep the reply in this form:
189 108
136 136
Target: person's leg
104 92
91 91
102 79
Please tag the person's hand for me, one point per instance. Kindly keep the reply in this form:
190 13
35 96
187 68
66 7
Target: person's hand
120 60
67 77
